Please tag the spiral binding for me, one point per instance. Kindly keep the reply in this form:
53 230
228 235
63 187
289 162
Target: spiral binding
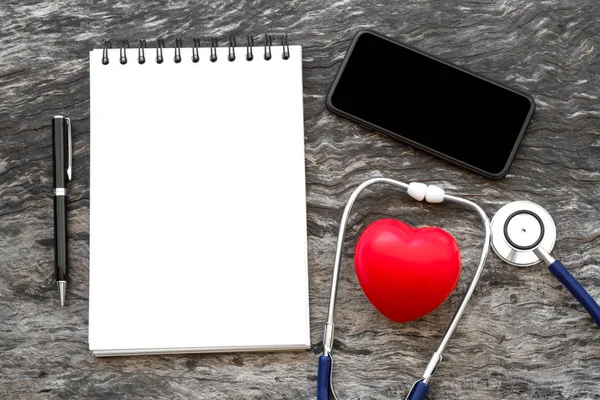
195 53
122 52
286 48
268 44
214 43
178 44
107 45
249 45
231 56
141 55
160 44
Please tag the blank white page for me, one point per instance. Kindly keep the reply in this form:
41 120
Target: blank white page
198 204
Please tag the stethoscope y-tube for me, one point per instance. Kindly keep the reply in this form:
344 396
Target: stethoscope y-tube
420 192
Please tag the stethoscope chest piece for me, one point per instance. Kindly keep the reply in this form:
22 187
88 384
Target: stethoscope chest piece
520 227
523 234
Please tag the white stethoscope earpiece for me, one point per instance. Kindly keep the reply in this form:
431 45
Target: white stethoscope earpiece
430 193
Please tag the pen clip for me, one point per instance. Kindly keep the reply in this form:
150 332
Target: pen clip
70 150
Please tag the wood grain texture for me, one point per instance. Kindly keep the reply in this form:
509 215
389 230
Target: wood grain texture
523 336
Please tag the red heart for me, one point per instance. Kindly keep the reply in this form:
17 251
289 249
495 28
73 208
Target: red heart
406 272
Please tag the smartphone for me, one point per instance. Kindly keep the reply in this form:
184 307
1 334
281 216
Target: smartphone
431 104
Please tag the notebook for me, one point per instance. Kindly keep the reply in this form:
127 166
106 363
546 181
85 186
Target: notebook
197 198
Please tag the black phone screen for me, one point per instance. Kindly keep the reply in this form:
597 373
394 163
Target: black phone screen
432 104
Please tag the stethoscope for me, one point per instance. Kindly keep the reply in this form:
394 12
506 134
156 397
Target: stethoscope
521 233
419 192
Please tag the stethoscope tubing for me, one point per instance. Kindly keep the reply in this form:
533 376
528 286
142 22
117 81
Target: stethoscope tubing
578 291
419 388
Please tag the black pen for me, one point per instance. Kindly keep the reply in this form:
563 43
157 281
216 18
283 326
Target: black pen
62 154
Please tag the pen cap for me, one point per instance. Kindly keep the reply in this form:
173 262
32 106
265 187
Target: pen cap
60 151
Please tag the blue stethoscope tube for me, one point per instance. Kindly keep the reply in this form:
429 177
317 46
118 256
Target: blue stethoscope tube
420 192
584 298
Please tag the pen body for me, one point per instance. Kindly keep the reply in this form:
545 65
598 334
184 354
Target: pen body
59 155
60 237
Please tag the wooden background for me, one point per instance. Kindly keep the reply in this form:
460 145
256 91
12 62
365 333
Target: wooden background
523 336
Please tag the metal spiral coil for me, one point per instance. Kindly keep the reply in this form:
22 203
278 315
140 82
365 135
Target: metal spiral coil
249 45
141 51
195 53
178 45
123 52
160 44
214 44
268 44
107 45
286 48
231 56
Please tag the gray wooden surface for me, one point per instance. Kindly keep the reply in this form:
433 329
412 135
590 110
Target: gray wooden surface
523 336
